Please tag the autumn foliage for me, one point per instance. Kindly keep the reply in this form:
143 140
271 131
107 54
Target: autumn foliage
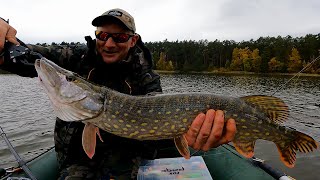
264 55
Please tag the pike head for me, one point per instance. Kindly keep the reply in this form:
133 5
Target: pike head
73 98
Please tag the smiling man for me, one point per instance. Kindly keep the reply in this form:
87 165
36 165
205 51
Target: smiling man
123 37
117 58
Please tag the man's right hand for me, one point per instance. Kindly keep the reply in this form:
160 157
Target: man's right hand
6 33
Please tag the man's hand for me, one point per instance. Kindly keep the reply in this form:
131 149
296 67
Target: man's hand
6 33
209 131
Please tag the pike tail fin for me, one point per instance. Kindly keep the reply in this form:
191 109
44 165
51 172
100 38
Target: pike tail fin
301 142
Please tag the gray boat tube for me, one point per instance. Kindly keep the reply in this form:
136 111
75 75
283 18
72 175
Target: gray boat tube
20 161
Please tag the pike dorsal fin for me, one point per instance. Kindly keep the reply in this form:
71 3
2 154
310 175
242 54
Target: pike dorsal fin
273 107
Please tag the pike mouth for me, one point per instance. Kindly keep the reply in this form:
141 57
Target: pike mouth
37 63
47 73
37 66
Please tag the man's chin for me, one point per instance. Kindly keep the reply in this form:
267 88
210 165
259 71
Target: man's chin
110 59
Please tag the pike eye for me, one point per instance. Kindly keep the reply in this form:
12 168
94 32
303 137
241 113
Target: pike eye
70 78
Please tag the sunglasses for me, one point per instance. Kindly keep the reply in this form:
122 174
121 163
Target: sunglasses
116 37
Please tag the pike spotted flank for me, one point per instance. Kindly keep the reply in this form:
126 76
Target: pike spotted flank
167 116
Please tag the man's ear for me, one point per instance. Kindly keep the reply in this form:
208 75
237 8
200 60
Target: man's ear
134 39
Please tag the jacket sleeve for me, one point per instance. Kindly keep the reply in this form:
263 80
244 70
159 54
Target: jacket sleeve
68 57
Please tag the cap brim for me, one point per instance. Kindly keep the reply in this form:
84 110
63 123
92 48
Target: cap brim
101 20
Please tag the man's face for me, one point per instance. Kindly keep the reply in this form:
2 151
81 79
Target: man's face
111 51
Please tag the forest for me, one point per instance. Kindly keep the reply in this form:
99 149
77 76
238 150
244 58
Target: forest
264 55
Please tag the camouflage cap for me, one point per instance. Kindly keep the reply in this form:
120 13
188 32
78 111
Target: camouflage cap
119 14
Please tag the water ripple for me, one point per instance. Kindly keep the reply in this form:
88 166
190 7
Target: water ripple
27 117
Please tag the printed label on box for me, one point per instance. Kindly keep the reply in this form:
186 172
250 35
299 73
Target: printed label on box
174 168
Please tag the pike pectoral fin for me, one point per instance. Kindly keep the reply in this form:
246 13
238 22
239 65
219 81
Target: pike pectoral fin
301 142
89 139
246 149
98 133
182 146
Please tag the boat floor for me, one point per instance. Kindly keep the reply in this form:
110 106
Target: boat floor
223 163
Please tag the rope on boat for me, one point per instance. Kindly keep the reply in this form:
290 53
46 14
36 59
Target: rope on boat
44 152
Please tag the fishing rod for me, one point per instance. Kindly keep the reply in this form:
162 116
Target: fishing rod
306 67
20 161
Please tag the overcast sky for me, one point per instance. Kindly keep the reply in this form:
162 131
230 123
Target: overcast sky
70 20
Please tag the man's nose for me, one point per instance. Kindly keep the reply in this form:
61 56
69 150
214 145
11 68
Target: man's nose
109 42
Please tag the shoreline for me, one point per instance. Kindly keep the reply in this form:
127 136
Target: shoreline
4 72
237 73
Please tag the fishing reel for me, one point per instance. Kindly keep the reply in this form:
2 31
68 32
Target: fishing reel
20 59
6 172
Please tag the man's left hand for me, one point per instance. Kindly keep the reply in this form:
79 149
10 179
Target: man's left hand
6 33
210 130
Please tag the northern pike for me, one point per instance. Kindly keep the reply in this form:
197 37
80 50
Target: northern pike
167 116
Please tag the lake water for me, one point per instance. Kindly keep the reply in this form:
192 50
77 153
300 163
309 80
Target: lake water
27 117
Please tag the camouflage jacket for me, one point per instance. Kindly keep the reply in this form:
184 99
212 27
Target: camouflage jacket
133 75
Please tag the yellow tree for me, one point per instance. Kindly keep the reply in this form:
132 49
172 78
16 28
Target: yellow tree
246 57
162 64
236 63
241 59
169 66
295 63
247 64
256 60
275 65
245 53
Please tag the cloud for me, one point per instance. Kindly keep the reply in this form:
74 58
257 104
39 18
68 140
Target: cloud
60 20
251 19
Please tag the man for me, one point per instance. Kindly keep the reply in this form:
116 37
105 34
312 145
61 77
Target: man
117 58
